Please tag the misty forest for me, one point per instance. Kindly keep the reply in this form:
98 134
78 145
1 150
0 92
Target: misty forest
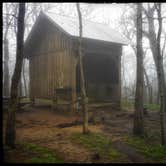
84 82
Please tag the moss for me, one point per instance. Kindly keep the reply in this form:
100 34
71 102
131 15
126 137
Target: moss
156 152
44 159
97 143
41 154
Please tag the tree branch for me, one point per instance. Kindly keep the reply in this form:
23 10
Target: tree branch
162 51
158 8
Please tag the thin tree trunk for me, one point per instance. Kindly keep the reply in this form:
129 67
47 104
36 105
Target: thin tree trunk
161 77
158 97
154 41
138 128
145 92
6 68
160 74
23 72
20 92
10 128
151 95
83 90
6 83
149 86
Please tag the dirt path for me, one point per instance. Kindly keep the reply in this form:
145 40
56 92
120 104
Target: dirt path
57 140
130 152
40 126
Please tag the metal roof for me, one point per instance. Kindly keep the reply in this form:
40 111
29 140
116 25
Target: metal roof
92 30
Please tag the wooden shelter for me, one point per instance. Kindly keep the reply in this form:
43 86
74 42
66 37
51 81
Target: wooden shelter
52 50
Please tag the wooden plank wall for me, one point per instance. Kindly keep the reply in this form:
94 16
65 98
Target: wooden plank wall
51 65
53 62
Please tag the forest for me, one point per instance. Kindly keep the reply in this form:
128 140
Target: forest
84 82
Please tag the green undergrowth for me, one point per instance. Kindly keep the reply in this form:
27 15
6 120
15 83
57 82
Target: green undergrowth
155 152
152 107
97 143
40 154
126 104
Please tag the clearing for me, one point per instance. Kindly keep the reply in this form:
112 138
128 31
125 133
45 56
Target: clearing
47 136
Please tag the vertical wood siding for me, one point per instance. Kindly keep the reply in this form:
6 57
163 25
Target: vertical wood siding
51 65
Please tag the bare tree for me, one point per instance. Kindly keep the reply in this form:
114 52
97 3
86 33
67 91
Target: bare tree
6 68
14 7
149 86
138 128
83 90
7 22
155 44
32 12
10 128
128 27
23 74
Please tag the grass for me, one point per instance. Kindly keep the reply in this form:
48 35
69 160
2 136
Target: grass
97 143
152 107
40 154
156 152
126 104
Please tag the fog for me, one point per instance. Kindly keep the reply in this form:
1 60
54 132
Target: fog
109 14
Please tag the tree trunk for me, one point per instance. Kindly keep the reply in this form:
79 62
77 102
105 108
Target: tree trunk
154 41
150 95
149 87
138 128
23 72
6 68
83 90
162 103
145 96
6 83
158 98
10 128
20 92
161 78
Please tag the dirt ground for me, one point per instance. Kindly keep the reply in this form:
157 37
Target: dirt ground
40 126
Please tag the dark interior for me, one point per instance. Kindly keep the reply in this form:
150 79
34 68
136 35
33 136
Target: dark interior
101 73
